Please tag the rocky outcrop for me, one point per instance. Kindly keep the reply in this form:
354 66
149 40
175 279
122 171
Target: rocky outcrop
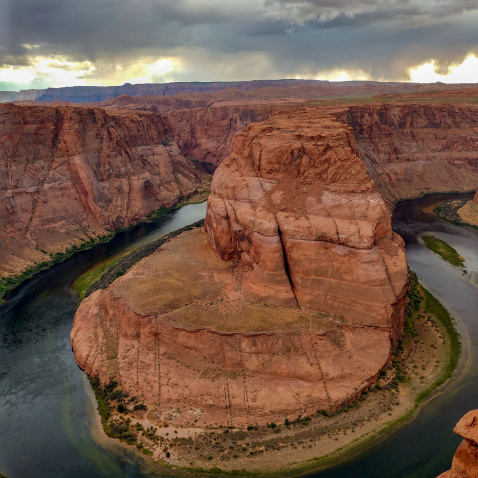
176 332
475 198
465 461
296 307
68 174
295 204
412 149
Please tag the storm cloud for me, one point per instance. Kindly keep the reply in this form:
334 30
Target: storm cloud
227 40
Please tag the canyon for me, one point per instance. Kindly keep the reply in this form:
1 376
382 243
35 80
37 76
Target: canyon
293 223
291 301
69 175
88 94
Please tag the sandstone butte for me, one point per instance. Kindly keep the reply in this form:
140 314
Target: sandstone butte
291 301
465 461
70 173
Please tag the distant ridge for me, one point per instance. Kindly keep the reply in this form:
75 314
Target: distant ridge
93 94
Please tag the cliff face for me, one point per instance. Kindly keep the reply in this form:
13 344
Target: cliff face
465 461
205 134
89 94
67 174
412 149
295 204
195 335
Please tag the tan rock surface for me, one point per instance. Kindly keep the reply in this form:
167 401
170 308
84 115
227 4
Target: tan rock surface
176 331
70 173
465 461
295 204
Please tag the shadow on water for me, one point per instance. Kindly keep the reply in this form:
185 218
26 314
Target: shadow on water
47 414
48 422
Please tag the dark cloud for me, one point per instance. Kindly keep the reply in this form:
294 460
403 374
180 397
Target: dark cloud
273 38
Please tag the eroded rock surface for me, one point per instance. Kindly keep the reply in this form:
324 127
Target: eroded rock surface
71 173
295 204
412 149
297 305
465 461
177 332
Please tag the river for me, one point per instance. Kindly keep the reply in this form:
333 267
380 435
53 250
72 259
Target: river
48 421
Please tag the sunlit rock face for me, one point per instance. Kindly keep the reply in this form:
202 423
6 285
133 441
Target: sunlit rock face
71 173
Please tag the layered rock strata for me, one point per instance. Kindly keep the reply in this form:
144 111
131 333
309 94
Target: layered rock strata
295 204
296 307
68 174
412 149
206 134
465 461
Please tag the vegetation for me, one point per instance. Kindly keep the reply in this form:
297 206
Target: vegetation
117 269
106 396
448 211
435 307
444 250
85 281
9 283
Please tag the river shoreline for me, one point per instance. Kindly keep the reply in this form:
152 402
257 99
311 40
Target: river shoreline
10 283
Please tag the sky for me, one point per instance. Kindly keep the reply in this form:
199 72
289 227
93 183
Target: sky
52 43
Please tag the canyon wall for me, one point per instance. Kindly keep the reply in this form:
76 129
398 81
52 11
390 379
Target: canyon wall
465 461
89 94
411 149
297 306
68 174
206 134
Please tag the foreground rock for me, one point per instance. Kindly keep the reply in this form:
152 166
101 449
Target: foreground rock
298 308
176 332
465 461
68 174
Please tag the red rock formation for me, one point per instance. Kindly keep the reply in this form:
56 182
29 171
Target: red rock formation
465 461
176 332
294 202
196 336
206 134
70 173
475 198
411 149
